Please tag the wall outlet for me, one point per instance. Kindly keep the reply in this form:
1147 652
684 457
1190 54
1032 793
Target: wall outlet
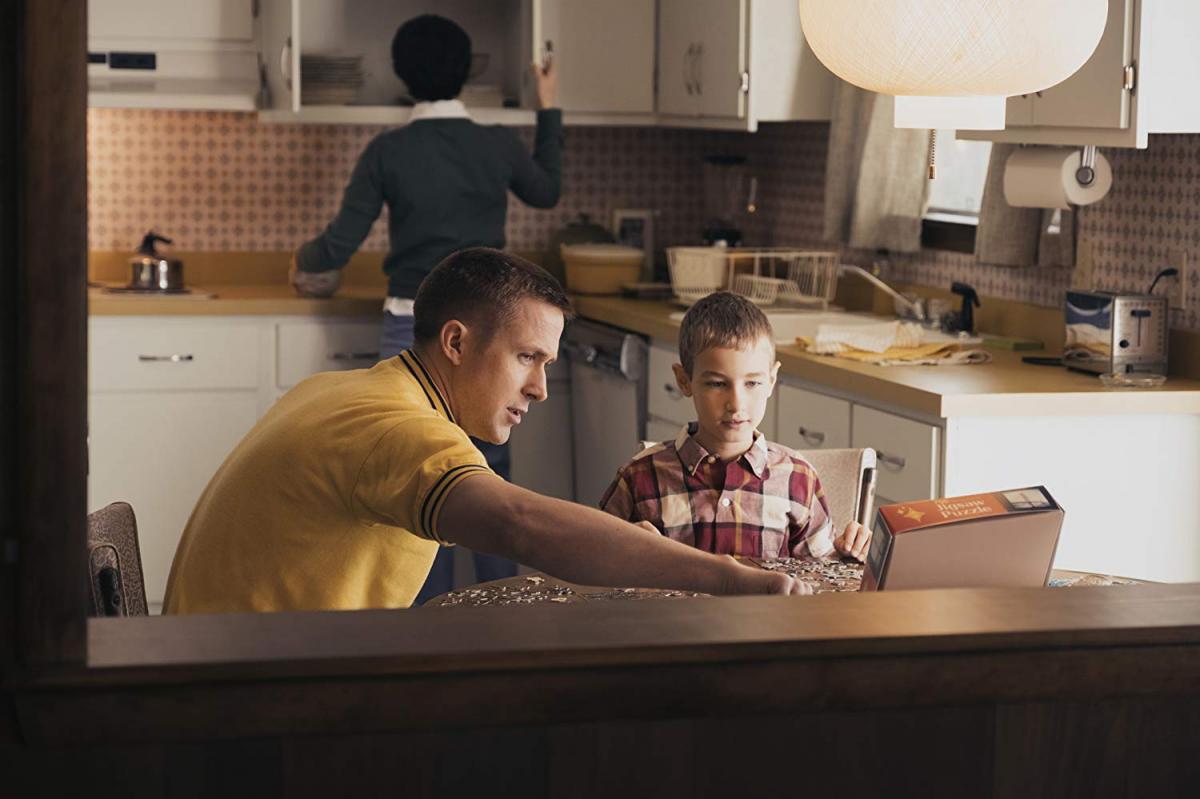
1179 288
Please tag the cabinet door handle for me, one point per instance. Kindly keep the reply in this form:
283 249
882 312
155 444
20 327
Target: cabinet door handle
687 68
285 63
893 462
354 356
175 358
671 390
698 61
814 437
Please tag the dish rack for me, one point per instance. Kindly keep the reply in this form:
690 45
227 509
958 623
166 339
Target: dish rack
765 276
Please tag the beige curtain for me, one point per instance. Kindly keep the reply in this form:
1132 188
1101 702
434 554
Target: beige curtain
875 176
1010 236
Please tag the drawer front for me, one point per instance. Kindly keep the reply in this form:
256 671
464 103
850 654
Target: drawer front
306 348
663 397
907 450
807 420
140 354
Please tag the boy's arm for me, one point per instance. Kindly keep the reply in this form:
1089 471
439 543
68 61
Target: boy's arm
584 545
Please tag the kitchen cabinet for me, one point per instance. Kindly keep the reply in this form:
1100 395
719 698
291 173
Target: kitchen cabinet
605 50
170 397
230 20
735 63
306 348
906 453
808 420
1140 80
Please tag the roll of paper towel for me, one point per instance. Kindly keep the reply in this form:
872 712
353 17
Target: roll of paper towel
1044 177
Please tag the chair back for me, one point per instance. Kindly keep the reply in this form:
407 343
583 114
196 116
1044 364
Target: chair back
115 563
842 473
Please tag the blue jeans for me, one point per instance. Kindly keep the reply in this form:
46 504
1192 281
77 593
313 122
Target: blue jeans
397 337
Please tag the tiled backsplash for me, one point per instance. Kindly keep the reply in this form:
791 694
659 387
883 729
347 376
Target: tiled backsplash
224 181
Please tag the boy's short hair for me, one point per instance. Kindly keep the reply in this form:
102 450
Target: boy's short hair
432 55
482 287
722 319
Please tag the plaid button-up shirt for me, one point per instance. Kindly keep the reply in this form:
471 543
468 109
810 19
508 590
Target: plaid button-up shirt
768 503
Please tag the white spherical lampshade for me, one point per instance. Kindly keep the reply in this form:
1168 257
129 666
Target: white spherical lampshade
953 48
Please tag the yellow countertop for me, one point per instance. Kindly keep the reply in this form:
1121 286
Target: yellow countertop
1004 387
234 300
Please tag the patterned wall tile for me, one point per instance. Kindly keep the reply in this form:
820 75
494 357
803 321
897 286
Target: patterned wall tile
224 181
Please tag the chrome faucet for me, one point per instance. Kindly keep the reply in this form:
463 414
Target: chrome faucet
915 308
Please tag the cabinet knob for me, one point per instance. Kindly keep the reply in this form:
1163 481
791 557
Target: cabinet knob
670 389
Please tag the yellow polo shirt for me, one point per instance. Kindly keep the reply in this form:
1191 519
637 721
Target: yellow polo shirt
330 502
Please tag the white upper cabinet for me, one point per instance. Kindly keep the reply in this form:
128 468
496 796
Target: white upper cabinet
692 63
1141 79
604 50
735 63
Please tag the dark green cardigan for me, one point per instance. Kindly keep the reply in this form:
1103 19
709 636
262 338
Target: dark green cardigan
446 184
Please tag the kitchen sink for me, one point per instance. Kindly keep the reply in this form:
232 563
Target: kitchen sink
787 325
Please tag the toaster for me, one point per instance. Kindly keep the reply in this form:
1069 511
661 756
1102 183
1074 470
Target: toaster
1114 332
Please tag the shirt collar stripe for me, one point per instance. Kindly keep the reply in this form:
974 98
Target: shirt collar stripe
418 370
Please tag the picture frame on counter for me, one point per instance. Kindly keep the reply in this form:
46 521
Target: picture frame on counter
634 227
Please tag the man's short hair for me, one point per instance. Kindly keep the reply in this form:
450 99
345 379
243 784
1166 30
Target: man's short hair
432 55
722 319
481 287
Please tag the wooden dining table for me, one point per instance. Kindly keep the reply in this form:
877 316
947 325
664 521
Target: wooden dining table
824 576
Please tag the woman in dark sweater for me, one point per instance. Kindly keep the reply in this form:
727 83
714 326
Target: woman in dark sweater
445 181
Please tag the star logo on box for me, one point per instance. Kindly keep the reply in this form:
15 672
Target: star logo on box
912 513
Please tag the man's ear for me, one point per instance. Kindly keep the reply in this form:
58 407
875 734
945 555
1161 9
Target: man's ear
682 379
452 341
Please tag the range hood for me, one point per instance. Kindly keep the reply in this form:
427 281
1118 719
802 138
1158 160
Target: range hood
186 80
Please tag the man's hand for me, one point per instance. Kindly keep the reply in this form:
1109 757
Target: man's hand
546 75
314 284
854 541
753 580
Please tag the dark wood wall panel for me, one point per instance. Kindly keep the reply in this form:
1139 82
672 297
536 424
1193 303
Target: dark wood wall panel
49 427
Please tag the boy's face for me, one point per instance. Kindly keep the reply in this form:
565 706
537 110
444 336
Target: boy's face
730 388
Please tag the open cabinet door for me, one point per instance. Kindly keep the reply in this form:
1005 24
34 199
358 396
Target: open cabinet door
1096 95
604 50
280 36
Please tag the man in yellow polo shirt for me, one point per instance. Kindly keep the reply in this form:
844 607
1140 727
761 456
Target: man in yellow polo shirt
341 494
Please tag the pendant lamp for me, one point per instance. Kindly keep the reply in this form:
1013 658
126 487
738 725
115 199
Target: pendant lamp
953 63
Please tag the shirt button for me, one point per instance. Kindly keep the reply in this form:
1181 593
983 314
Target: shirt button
725 501
712 458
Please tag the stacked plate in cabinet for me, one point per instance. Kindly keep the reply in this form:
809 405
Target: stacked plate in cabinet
330 79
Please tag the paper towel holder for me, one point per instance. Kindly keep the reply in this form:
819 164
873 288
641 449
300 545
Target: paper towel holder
1085 174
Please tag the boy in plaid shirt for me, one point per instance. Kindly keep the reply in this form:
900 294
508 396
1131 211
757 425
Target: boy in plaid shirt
720 485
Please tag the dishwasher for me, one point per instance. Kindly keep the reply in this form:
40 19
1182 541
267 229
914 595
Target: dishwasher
608 403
